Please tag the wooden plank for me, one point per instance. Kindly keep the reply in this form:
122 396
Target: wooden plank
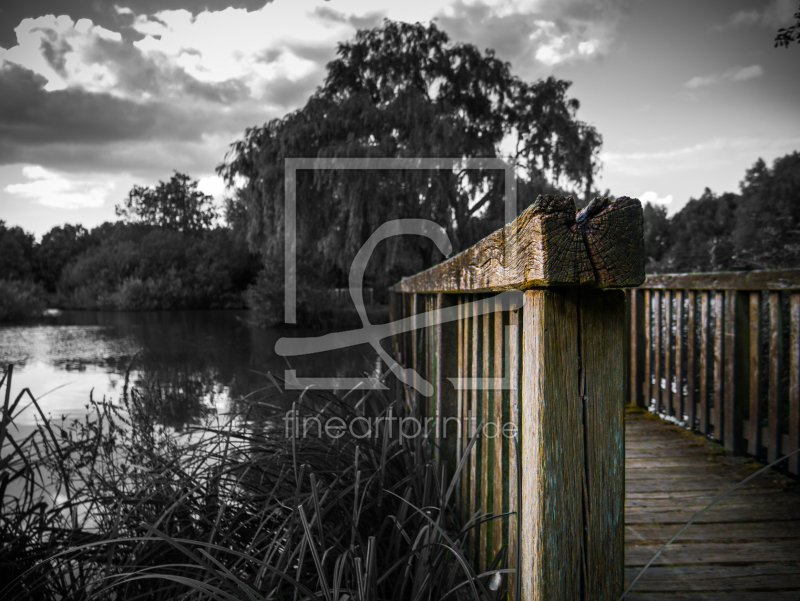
719 333
666 392
726 596
677 395
690 362
703 367
761 577
794 382
572 446
789 512
647 377
773 439
656 393
727 553
754 375
486 442
499 475
548 245
773 279
513 463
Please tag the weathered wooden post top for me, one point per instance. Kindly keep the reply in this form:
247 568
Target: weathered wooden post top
550 369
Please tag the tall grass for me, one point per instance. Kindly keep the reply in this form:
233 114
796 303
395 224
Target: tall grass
116 506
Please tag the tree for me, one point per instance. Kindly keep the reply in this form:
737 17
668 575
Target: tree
176 205
17 253
58 247
768 217
787 35
403 90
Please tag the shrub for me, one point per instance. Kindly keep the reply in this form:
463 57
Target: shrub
20 299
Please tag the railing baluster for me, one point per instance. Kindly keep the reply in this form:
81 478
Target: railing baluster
513 460
677 395
690 355
498 477
754 389
486 443
737 346
657 356
794 381
636 348
704 363
460 402
773 441
466 425
668 354
475 469
719 314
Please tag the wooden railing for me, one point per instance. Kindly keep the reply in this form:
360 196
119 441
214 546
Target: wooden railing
719 353
547 361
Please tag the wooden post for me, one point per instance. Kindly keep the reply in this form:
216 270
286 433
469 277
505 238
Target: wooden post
666 393
514 423
573 444
499 417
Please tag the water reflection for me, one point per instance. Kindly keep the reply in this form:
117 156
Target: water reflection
185 363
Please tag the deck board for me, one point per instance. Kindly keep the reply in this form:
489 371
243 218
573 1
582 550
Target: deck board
745 548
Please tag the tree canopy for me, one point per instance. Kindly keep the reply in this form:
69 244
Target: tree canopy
176 205
405 90
758 228
788 35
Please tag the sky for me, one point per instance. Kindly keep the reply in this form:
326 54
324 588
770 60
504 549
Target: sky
96 97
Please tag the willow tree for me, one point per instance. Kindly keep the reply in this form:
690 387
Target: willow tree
403 90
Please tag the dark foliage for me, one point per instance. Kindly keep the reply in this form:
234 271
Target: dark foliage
176 205
759 228
789 35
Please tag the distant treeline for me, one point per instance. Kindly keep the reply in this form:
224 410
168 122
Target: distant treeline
146 261
758 228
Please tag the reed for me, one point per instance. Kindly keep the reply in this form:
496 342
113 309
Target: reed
117 506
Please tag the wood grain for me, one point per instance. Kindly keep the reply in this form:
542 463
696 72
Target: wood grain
572 444
548 245
773 439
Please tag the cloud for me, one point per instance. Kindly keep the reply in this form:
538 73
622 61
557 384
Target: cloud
705 156
147 87
51 189
773 14
535 35
731 75
654 198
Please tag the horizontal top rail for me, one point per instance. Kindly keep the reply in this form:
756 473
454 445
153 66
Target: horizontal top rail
777 279
548 245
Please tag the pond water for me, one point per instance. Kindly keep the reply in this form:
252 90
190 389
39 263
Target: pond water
196 359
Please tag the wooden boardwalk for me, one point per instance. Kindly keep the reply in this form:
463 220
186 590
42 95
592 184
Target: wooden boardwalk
747 547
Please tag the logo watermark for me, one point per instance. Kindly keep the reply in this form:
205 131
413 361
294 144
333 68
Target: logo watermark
374 333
